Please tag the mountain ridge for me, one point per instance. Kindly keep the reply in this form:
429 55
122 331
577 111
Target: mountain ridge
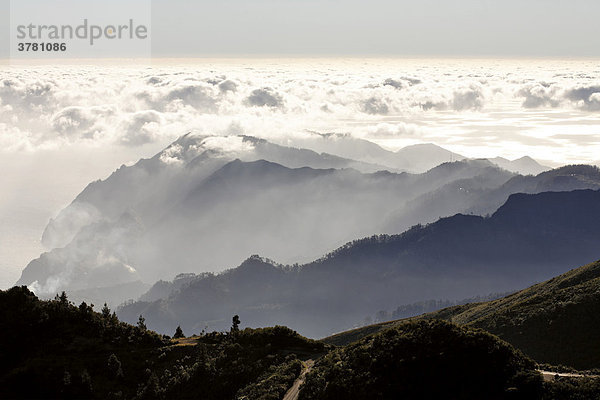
457 257
235 199
565 308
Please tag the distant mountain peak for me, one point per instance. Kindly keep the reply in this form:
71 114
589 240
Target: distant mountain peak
332 135
253 139
524 165
255 260
191 145
575 169
526 158
423 146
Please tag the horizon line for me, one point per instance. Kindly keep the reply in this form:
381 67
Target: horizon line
4 61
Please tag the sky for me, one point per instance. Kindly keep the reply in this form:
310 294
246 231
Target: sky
556 28
473 28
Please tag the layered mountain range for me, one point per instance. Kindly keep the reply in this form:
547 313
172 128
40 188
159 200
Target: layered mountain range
206 203
417 158
529 239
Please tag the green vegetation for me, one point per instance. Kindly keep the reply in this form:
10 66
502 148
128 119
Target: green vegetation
556 322
221 365
424 360
178 333
426 306
564 388
274 383
54 349
529 239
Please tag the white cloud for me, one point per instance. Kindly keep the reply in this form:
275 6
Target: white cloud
172 155
441 101
585 97
228 144
82 122
539 94
264 97
393 131
468 98
374 105
141 127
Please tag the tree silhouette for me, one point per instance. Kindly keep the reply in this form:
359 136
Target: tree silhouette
235 327
178 333
105 312
63 298
142 323
114 366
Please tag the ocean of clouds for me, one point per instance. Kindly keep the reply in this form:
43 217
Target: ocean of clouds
457 103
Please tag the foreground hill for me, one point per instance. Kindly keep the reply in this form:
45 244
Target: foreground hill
55 350
566 309
529 239
557 321
424 360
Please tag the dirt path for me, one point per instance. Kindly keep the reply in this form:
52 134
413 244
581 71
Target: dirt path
188 341
549 376
292 394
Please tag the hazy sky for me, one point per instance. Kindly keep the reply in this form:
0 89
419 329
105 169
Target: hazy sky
349 27
382 27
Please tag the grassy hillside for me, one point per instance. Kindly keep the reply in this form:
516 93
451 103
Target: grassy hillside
54 349
557 321
424 360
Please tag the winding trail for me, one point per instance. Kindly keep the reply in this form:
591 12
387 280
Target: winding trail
292 393
549 376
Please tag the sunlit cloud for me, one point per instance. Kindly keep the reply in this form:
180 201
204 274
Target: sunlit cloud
461 105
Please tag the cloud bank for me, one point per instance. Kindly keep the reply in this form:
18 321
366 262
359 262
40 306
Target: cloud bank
445 102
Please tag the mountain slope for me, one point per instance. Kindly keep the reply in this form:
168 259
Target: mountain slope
168 176
416 158
422 157
566 309
485 194
524 165
424 360
55 350
205 203
557 321
149 226
530 239
564 179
